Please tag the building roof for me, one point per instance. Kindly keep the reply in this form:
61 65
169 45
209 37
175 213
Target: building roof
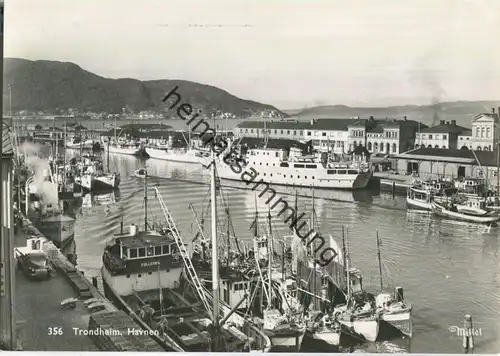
252 142
493 116
7 147
486 158
466 133
315 124
275 124
451 128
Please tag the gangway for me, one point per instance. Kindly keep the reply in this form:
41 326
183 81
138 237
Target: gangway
184 254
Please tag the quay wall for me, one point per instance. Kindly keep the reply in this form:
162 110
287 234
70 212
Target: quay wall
109 318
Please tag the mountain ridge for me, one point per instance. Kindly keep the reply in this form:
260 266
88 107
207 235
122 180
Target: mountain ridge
53 86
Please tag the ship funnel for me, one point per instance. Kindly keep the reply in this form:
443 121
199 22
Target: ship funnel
133 230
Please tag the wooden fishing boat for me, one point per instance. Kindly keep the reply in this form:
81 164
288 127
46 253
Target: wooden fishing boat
452 212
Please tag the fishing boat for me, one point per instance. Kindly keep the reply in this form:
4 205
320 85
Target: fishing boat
150 275
420 194
78 143
124 147
93 177
182 155
359 316
46 210
140 173
327 331
393 310
450 211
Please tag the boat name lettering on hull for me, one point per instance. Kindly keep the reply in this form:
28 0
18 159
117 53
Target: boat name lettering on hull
150 264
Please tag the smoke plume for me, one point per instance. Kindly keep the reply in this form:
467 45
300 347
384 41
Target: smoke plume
46 190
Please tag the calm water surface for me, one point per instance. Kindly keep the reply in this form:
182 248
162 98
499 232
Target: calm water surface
447 269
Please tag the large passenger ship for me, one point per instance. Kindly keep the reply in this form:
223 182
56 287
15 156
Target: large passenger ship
277 166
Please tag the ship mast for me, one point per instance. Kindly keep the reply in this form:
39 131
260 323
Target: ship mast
145 201
215 257
379 264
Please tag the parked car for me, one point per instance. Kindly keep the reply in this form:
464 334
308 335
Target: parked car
34 265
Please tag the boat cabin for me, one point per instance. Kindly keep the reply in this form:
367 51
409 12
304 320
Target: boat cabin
141 251
474 186
261 247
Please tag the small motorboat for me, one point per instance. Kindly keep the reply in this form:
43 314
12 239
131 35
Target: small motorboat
452 212
69 303
140 173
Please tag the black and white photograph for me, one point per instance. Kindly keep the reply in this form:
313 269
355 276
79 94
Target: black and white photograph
299 176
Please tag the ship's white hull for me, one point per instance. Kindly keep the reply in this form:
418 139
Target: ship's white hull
400 321
81 145
90 182
301 177
365 328
133 151
292 340
173 156
329 337
418 204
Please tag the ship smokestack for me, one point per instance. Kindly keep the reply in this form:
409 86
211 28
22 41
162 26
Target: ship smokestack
133 230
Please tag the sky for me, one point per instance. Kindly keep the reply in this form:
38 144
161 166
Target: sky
288 53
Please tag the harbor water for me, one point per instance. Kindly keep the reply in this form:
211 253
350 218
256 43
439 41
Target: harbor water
447 268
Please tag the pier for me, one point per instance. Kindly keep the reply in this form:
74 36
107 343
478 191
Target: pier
44 326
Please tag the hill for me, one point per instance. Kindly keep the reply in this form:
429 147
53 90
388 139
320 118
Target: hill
461 111
51 86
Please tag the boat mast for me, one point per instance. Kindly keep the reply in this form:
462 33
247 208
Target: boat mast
269 273
145 201
347 258
215 258
379 264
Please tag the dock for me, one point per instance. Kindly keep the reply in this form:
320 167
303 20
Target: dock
390 182
42 325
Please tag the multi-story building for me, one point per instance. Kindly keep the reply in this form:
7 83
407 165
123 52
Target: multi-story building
278 129
444 135
339 135
484 134
383 136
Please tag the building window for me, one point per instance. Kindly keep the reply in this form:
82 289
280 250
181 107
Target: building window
430 137
295 133
251 130
301 133
308 133
477 132
445 137
482 132
394 148
282 132
275 131
488 132
324 134
288 132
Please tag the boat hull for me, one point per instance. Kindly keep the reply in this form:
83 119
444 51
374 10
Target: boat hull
315 177
400 321
130 151
326 339
368 329
418 204
85 145
91 183
286 341
165 155
441 211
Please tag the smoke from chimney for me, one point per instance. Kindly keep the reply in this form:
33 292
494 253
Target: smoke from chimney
46 190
